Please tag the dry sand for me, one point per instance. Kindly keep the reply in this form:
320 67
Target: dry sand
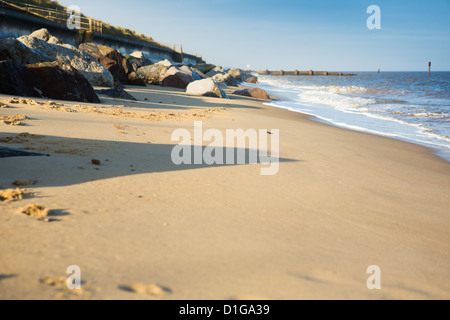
342 201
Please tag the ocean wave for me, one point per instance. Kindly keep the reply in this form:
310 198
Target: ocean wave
414 117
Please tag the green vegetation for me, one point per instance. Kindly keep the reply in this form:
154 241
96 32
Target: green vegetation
107 28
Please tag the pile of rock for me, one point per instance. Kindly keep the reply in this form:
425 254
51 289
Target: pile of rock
45 44
118 65
74 71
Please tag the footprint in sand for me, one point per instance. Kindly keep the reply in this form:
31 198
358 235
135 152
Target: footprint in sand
145 289
60 283
40 212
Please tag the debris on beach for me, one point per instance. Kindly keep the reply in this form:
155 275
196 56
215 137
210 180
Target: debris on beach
15 120
36 210
12 194
23 101
3 105
96 162
23 137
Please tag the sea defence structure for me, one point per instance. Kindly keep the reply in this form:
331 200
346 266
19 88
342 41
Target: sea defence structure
18 19
305 73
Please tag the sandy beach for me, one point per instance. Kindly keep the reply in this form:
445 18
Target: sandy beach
341 201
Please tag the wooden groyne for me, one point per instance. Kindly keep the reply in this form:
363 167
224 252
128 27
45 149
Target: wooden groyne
305 73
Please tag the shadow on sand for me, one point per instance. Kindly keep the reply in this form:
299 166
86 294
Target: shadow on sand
117 159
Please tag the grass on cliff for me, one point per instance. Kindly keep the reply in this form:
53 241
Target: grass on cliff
107 28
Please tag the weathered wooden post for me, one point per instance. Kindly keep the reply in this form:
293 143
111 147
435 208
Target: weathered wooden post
311 72
325 73
281 73
296 72
429 68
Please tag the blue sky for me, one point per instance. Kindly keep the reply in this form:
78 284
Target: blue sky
285 34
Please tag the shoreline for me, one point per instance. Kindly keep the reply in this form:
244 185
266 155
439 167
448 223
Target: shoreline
345 200
372 120
434 151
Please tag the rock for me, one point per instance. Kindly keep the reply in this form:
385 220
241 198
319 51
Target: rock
253 80
200 73
237 74
186 70
137 63
117 92
42 34
92 49
166 63
135 80
253 93
152 74
123 68
226 78
206 87
52 80
14 80
204 68
60 81
190 71
139 55
85 63
216 70
222 85
19 53
56 41
176 78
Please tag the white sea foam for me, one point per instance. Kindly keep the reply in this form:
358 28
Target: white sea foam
364 107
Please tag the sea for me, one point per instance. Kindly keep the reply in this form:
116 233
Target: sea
409 106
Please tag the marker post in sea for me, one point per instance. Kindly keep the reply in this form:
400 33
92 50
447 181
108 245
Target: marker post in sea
429 68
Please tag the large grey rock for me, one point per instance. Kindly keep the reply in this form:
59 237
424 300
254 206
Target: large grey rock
152 74
200 73
53 80
236 74
204 68
206 87
192 72
176 78
216 70
94 71
226 78
19 53
42 34
137 63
